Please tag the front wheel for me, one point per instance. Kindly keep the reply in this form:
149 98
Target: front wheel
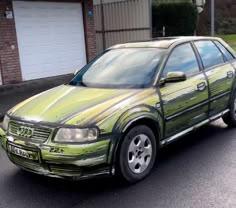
137 154
230 117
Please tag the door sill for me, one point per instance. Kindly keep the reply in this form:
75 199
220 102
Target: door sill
188 130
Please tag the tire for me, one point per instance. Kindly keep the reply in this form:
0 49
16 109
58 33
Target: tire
137 154
230 117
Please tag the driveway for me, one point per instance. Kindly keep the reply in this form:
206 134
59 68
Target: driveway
197 171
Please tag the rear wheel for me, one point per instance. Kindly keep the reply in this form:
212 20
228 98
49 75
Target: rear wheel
137 154
230 118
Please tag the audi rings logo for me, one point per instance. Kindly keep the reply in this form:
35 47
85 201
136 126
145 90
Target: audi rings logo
26 132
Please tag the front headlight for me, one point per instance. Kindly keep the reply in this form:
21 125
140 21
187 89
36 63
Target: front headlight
5 122
73 135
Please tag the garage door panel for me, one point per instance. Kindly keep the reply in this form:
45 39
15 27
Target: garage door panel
50 38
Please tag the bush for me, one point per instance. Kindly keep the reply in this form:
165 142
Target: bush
178 18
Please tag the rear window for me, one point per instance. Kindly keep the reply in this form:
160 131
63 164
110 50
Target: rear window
226 53
209 53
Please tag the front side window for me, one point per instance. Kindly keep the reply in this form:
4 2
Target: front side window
120 68
226 53
209 53
182 59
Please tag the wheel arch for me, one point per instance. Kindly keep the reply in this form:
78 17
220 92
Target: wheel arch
147 121
142 120
233 90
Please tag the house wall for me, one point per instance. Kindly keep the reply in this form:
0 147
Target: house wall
171 1
0 77
90 35
96 2
9 53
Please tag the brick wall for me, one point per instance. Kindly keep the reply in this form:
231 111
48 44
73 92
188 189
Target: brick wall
90 35
9 53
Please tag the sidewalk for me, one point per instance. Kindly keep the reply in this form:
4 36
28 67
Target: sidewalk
10 95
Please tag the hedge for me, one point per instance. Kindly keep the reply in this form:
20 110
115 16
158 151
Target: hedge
178 18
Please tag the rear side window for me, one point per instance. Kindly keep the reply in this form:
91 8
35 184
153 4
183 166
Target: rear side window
182 59
209 53
226 53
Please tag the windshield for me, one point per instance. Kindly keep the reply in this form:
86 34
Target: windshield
120 68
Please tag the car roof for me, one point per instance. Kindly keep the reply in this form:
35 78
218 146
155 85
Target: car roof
165 42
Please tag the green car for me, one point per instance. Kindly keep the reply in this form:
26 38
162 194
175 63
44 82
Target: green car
122 107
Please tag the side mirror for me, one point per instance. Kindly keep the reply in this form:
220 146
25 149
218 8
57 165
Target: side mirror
76 71
176 76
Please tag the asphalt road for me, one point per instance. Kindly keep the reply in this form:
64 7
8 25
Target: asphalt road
197 171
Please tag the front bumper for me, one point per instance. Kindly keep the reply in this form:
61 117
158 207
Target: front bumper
62 160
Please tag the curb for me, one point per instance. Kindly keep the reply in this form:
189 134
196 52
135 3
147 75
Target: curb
35 84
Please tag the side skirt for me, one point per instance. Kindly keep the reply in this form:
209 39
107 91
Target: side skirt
186 131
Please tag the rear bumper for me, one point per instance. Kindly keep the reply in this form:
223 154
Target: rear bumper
63 161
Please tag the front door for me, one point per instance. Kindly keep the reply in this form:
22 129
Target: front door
184 103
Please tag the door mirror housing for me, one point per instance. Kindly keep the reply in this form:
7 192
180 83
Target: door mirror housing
176 76
77 71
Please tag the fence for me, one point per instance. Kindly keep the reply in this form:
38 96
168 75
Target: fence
118 21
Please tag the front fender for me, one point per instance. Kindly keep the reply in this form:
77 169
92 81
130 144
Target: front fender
133 115
136 113
2 138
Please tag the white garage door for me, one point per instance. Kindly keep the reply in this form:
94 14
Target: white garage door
50 38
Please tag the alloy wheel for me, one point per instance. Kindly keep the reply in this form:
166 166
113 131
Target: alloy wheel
139 153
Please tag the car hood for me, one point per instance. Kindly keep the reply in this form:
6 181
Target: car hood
65 102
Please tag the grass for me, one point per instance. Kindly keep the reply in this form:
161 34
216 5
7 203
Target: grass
230 39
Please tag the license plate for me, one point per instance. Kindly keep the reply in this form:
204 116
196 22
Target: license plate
23 153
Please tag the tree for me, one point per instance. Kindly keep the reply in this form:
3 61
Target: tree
178 18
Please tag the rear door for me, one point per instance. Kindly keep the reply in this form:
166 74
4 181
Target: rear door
220 74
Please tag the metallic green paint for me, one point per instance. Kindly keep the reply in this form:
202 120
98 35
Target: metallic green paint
83 106
180 96
3 139
108 109
172 107
76 157
220 82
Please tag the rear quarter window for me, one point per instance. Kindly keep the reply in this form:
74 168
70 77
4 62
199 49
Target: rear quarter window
209 53
226 53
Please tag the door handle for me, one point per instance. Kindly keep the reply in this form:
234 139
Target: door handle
230 74
201 86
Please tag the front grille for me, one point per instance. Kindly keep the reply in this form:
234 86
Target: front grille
64 169
40 134
26 163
